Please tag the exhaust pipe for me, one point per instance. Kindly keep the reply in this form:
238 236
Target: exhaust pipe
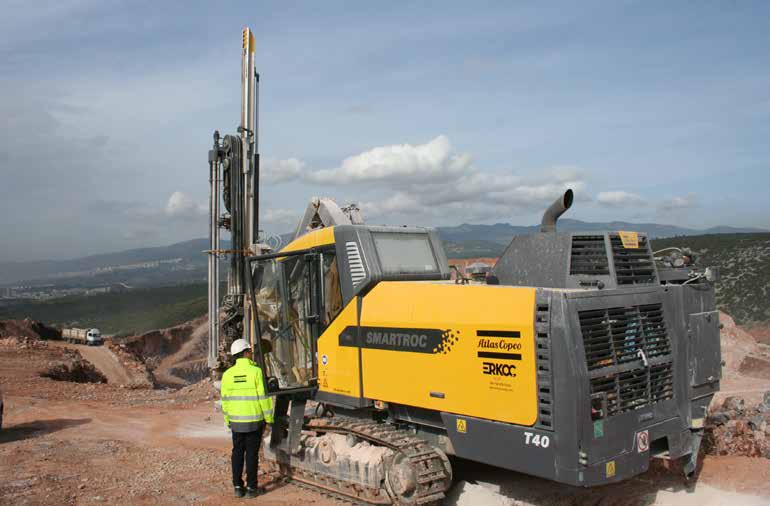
560 205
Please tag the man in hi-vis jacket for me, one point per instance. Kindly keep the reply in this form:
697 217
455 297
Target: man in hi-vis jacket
246 408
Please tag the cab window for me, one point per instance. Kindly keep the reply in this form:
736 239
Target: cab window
332 291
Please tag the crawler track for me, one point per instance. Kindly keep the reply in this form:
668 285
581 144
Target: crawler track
416 474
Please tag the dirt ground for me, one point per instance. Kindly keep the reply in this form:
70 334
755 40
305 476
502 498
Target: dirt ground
68 443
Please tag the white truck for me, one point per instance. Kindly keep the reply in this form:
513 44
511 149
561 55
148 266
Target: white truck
90 337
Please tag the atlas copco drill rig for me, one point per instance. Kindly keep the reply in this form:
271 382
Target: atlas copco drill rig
586 361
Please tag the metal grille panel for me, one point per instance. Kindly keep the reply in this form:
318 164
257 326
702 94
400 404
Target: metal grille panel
544 378
589 255
628 355
633 266
613 336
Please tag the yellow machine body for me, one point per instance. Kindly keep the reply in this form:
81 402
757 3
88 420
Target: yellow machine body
456 377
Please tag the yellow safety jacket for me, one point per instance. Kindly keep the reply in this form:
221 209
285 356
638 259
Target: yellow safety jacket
244 402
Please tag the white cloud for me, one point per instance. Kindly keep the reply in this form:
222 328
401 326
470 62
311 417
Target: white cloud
619 199
431 181
183 205
681 202
428 162
277 171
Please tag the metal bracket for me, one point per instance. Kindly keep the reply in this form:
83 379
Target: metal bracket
692 460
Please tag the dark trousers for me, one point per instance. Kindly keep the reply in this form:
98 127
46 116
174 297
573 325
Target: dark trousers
246 444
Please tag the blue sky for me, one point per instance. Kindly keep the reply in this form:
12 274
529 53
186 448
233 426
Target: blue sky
428 113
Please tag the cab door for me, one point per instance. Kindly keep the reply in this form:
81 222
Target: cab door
285 293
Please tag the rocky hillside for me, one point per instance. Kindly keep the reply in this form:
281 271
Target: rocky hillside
744 263
175 356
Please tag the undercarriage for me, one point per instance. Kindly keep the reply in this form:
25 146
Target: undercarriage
364 462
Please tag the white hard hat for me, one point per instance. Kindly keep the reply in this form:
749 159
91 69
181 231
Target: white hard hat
238 346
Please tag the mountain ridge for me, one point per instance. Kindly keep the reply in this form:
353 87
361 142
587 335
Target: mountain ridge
461 241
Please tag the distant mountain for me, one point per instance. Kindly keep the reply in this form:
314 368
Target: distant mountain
186 254
185 262
743 291
502 233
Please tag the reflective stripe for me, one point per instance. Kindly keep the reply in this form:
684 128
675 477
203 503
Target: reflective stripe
245 398
267 412
246 418
246 426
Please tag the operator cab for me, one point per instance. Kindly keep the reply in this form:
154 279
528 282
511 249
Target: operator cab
301 289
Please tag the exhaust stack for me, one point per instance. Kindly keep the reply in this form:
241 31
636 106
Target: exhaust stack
559 207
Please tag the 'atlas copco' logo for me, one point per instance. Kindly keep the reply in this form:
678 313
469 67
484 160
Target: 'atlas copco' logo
496 369
501 345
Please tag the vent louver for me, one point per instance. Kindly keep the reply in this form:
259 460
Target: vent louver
633 266
635 389
628 355
544 381
589 255
357 270
615 336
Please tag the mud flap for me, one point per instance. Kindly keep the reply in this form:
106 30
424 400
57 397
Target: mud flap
692 459
287 429
296 421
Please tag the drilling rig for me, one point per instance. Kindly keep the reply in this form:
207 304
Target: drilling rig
583 361
234 182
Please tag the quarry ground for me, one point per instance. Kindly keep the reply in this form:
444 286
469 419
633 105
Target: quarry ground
86 443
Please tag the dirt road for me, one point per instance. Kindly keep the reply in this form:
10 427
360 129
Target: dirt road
103 359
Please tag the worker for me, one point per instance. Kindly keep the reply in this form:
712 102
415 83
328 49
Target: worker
247 408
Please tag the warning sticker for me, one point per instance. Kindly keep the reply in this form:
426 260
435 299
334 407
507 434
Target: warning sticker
462 426
643 441
609 469
629 239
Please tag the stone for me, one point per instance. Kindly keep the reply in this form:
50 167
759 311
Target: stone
734 403
742 427
719 418
756 420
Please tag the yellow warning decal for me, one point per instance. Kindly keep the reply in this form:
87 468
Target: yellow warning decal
629 239
462 426
609 469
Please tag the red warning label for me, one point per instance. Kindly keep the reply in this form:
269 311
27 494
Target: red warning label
643 441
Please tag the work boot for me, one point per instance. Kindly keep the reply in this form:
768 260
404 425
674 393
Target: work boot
240 491
254 492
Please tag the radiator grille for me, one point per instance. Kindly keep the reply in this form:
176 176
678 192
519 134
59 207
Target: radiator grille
589 255
628 354
629 390
632 265
616 335
544 381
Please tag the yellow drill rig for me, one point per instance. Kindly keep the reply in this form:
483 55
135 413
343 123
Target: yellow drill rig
582 362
